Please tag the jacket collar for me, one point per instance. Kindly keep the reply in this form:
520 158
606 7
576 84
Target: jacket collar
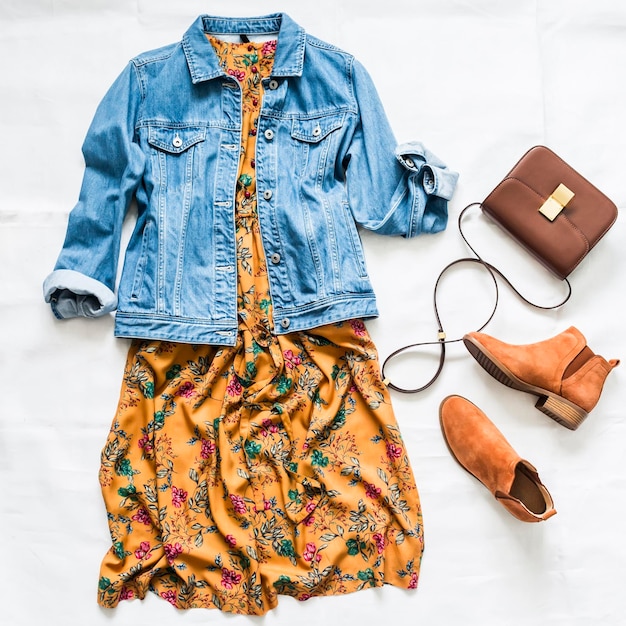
202 60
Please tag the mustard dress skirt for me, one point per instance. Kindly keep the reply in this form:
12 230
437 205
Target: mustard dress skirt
234 474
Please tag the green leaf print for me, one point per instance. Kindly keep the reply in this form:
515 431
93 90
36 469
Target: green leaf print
353 547
104 583
367 576
126 492
317 458
295 496
118 550
173 372
286 548
252 449
124 468
147 389
283 384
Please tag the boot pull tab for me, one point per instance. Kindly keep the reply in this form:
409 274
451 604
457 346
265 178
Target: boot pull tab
614 363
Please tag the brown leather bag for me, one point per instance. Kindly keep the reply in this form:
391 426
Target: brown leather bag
547 207
551 210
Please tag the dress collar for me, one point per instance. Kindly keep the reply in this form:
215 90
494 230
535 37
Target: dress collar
203 62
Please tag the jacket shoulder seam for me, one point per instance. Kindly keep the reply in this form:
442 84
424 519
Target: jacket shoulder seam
158 54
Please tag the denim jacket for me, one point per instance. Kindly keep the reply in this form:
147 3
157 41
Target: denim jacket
167 135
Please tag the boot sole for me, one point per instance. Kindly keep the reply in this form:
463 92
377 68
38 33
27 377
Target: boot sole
553 405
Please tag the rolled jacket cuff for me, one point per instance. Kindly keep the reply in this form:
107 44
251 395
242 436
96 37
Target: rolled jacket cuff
72 294
437 179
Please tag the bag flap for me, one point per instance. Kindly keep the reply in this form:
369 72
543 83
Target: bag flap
589 210
559 245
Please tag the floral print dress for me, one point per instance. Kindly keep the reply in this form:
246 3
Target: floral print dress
234 474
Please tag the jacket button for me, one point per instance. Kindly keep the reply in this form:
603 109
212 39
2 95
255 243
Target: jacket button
177 142
269 134
275 258
273 84
267 194
285 322
317 131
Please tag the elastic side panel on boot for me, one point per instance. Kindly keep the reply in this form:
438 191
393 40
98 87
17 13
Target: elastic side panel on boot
579 360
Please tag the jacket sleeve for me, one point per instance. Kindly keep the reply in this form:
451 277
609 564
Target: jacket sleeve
393 190
83 280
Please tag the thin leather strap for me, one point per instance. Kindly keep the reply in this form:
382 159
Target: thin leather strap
442 341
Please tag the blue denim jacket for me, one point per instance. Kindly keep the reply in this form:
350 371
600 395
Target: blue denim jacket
168 136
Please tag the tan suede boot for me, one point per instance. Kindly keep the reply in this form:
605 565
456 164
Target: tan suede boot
562 371
480 448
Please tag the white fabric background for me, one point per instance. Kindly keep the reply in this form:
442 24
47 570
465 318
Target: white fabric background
479 82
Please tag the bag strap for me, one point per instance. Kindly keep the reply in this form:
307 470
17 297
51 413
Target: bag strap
441 335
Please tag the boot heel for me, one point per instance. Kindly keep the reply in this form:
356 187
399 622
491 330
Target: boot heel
561 411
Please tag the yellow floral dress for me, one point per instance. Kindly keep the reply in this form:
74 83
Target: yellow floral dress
234 474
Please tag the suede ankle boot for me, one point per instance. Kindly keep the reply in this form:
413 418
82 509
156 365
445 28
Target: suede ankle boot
562 372
481 449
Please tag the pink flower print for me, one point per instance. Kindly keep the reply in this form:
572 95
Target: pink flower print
172 551
126 594
269 47
238 504
304 597
309 520
393 451
379 540
310 506
234 387
291 359
208 448
238 74
413 581
358 327
371 491
144 443
170 596
142 517
230 578
179 496
268 427
186 390
310 553
231 541
143 552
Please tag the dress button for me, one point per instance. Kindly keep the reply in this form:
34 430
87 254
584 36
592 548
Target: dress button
177 142
275 258
267 194
273 84
269 134
285 322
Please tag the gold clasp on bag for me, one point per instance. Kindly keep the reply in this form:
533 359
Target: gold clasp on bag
556 202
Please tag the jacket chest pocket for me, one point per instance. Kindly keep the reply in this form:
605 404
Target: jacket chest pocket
312 139
174 148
